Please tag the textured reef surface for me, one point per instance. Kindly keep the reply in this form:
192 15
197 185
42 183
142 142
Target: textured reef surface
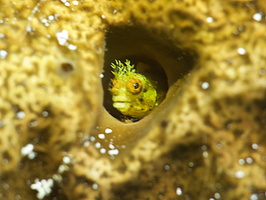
60 137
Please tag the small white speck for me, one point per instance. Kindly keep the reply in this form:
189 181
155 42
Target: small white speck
219 145
166 167
2 35
108 130
36 8
111 146
72 47
113 152
98 145
191 164
66 160
62 168
33 123
101 75
204 147
241 51
103 16
86 144
67 4
92 139
114 11
21 115
217 195
44 21
205 85
249 160
29 29
32 155
101 136
56 16
75 3
45 113
254 197
43 187
257 16
26 150
255 146
239 174
51 17
205 154
3 54
95 186
63 1
241 161
57 178
209 19
62 37
103 150
178 191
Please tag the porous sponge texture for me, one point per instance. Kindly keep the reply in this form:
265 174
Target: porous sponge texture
49 92
206 141
217 119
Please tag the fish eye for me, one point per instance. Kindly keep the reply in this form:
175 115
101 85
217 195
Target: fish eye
134 86
114 85
111 85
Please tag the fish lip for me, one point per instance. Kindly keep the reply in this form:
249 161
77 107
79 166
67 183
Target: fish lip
122 101
121 104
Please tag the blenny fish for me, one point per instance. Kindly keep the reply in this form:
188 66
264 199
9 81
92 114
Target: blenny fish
133 94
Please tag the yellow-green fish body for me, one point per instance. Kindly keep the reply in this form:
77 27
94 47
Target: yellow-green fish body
133 94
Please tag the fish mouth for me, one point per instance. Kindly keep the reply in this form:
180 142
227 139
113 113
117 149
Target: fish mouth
120 98
121 104
121 101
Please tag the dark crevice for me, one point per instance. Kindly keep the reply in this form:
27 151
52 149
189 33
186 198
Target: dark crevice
168 63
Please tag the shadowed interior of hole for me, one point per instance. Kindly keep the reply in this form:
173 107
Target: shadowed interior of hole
168 62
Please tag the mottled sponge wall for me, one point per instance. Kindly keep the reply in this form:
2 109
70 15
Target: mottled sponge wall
60 138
